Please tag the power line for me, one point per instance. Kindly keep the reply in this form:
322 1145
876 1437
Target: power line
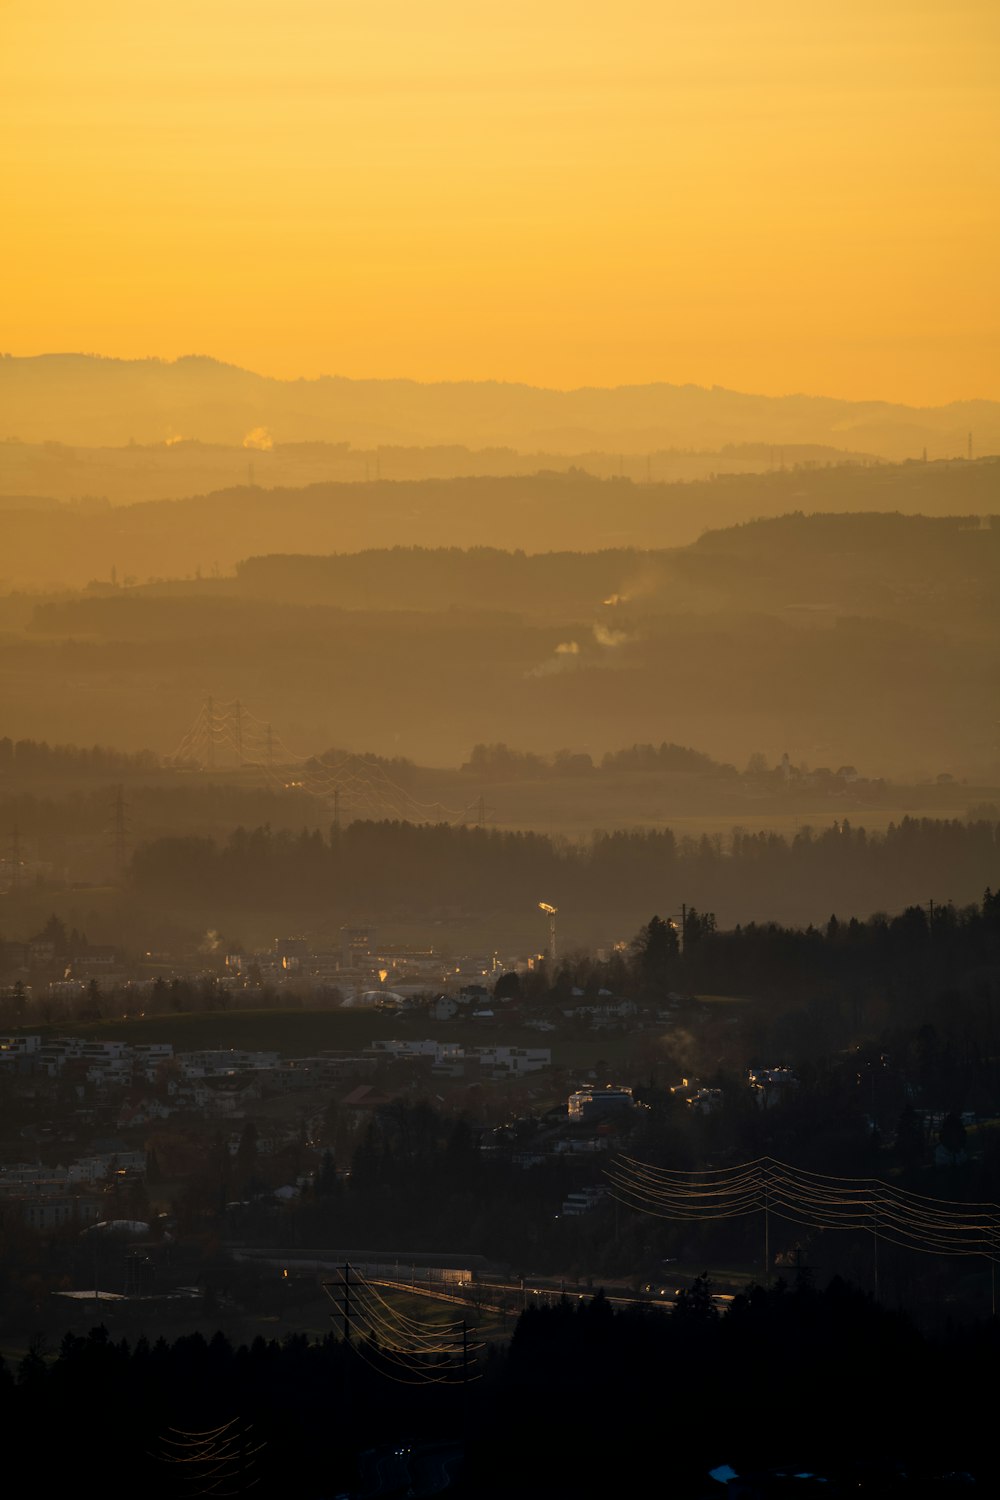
812 1200
220 1461
341 778
409 1351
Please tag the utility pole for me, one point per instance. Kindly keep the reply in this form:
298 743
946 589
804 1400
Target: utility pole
875 1233
465 1384
767 1228
801 1271
347 1302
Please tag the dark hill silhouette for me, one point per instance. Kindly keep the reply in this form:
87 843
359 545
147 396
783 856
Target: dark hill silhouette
207 534
842 639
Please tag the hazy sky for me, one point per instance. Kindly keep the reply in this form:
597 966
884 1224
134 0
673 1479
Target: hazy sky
789 195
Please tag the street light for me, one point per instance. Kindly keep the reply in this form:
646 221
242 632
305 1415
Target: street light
544 906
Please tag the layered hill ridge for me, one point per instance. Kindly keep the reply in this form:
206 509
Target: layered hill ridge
87 399
869 640
205 535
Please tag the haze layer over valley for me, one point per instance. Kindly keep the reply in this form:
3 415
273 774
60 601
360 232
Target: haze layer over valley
666 611
840 639
807 645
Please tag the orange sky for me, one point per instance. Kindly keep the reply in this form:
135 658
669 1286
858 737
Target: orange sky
773 197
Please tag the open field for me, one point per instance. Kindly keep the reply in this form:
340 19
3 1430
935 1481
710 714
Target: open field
305 1033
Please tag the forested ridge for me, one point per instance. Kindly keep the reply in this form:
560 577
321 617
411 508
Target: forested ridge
398 867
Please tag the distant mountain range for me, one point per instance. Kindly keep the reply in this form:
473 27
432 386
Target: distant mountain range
86 399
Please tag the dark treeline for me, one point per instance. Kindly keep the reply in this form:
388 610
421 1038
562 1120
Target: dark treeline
437 577
872 564
38 757
416 870
77 813
663 757
776 1379
758 564
583 1397
500 762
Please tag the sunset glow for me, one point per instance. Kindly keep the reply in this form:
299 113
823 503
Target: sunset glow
774 198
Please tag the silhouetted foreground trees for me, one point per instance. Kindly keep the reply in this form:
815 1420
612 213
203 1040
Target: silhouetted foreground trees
584 1400
826 1380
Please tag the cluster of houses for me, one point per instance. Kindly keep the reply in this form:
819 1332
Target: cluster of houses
139 1085
57 966
68 973
132 1088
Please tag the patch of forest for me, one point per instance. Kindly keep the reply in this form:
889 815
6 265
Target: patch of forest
423 871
